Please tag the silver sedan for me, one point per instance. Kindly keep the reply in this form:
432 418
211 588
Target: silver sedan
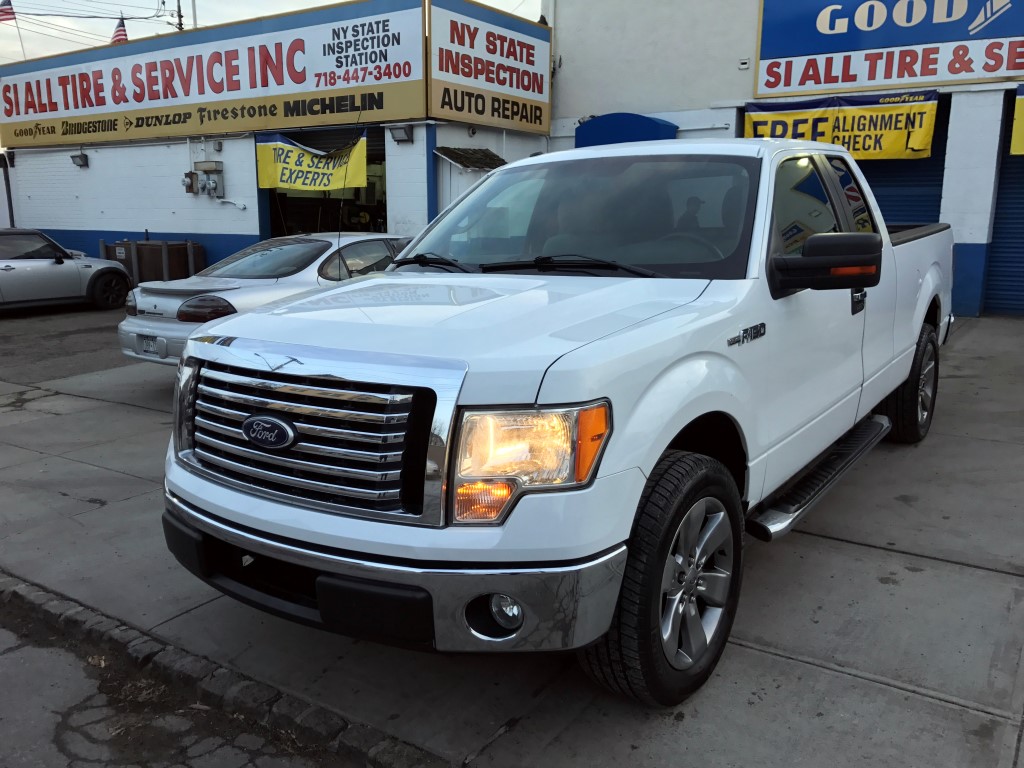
36 270
161 315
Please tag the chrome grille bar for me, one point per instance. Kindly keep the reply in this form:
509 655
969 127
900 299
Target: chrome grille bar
369 457
290 480
307 390
255 401
263 457
310 429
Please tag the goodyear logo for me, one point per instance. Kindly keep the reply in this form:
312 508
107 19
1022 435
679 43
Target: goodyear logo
871 15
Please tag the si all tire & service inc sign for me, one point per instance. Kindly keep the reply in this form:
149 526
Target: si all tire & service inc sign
816 46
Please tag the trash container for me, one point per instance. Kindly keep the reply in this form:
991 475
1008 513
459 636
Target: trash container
148 260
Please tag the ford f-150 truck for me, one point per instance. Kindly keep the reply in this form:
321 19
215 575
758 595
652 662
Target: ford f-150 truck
549 425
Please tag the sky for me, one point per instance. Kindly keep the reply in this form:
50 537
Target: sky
58 31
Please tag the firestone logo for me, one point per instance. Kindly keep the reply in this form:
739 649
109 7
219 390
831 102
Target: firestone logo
871 15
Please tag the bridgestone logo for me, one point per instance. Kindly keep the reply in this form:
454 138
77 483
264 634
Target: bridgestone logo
79 127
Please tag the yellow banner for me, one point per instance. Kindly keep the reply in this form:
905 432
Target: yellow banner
1017 140
894 127
283 164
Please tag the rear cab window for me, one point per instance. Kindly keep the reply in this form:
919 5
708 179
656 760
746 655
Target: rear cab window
860 212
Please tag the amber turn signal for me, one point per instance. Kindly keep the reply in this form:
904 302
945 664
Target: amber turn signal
590 434
482 501
853 271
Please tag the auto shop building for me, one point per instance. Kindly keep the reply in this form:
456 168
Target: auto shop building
337 117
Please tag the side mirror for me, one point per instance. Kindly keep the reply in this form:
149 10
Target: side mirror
58 258
830 261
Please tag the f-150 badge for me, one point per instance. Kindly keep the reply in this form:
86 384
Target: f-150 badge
747 335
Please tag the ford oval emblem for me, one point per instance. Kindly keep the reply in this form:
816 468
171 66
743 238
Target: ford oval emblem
268 432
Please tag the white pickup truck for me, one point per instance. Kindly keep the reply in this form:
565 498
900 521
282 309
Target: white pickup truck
549 424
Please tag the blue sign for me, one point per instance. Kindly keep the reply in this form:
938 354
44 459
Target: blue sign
833 46
803 27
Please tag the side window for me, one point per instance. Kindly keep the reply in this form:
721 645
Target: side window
366 257
854 197
802 207
333 268
27 247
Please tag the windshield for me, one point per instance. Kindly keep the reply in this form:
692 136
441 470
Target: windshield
676 215
272 258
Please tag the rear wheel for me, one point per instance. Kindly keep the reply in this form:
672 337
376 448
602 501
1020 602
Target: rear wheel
681 585
911 406
109 291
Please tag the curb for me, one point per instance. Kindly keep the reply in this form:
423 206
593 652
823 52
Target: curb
213 684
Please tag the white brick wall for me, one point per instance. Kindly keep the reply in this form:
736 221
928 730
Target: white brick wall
135 187
4 211
407 182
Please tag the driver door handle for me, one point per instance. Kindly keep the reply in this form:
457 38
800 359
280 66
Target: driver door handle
7 268
858 300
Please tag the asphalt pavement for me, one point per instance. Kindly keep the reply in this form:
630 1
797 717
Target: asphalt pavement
887 631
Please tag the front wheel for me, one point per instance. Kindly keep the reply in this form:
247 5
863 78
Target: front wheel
911 406
109 291
681 584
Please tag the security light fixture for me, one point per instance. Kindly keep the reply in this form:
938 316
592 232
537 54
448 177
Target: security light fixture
81 160
401 133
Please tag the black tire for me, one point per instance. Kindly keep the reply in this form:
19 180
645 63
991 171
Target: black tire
108 290
631 658
907 407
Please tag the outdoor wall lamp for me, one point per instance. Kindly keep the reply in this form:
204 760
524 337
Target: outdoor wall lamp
81 160
401 133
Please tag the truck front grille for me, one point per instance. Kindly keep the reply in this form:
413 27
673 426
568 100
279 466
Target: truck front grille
360 448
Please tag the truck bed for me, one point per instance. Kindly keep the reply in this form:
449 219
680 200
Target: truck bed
907 233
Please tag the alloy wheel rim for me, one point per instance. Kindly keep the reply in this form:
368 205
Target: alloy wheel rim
926 386
695 583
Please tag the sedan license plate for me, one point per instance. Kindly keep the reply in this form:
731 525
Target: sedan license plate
149 344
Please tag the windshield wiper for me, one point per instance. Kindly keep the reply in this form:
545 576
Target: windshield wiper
432 260
567 260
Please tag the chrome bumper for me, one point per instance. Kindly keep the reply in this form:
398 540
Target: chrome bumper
564 606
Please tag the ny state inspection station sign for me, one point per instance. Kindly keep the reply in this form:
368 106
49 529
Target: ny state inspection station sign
837 46
352 63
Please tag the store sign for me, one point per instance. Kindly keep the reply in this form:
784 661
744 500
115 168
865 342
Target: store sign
351 63
895 126
488 67
836 46
1017 140
283 164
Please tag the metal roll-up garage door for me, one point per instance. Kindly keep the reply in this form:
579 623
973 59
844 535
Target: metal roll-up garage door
910 191
1004 284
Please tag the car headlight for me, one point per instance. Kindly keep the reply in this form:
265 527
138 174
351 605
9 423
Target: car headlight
502 453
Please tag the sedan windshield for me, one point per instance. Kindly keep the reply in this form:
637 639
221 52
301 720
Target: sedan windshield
672 215
273 258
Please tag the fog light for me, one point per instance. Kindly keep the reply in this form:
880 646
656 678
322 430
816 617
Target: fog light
507 612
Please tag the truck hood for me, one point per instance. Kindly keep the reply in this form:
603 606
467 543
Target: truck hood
506 330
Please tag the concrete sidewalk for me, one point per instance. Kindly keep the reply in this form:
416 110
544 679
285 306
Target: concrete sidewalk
887 631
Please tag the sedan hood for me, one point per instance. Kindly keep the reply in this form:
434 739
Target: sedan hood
506 329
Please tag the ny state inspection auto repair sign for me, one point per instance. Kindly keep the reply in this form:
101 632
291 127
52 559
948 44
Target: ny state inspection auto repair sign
817 46
356 62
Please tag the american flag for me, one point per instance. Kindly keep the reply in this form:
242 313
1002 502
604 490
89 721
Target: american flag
6 11
120 33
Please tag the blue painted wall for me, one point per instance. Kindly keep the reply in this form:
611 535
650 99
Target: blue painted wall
970 261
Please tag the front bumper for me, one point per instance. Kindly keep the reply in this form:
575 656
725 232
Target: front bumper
165 345
565 606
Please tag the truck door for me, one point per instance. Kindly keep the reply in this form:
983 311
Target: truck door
878 303
814 364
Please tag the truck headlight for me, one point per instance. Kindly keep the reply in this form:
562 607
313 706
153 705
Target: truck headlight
185 405
501 453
